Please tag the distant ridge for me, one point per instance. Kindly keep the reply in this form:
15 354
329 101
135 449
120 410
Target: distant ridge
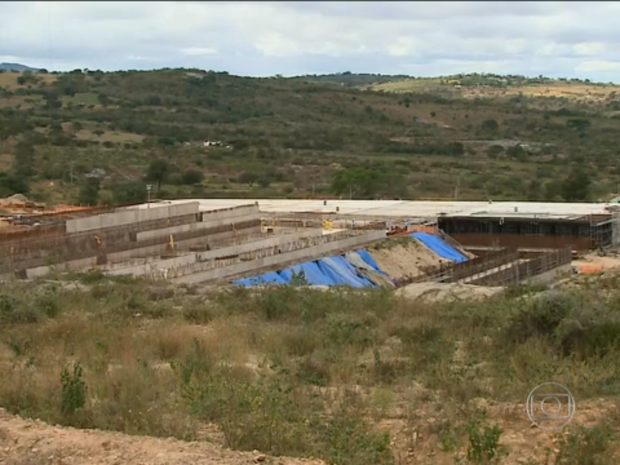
17 67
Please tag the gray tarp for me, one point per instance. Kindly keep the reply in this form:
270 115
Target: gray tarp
368 271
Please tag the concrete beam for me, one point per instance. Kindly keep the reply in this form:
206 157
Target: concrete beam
284 259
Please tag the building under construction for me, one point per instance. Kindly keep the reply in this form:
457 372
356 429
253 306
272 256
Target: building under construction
531 231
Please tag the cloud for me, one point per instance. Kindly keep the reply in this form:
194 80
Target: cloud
198 51
267 38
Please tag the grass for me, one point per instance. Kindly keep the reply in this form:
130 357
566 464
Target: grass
557 89
344 376
9 80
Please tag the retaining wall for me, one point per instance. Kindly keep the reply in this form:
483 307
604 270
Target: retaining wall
207 222
121 242
92 262
173 265
335 245
121 218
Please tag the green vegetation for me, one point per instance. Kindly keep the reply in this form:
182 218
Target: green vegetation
195 133
352 377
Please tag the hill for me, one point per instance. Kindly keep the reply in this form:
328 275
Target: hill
98 137
16 67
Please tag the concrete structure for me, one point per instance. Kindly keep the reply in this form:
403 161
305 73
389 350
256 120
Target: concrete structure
332 244
530 231
131 215
404 208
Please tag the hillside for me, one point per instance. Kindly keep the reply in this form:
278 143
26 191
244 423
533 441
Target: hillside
16 67
98 137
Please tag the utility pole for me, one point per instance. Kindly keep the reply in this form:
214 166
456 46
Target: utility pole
148 196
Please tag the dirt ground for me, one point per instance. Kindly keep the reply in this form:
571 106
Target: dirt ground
405 261
524 442
28 442
593 261
431 291
33 442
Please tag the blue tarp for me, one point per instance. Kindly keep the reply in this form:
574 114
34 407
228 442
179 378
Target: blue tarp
440 247
312 274
342 272
268 278
364 255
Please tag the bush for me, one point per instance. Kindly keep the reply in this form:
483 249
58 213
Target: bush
570 323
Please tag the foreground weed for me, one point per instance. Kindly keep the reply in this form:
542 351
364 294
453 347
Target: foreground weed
484 447
586 446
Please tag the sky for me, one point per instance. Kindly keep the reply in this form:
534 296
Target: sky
555 39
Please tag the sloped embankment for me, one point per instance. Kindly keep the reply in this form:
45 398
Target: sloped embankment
405 259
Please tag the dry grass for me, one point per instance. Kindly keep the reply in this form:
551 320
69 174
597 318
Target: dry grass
574 91
300 372
9 80
119 137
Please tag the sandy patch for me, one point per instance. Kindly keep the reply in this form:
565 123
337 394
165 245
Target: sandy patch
26 441
430 291
403 261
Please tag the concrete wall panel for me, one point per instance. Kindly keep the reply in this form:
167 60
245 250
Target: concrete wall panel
283 260
123 217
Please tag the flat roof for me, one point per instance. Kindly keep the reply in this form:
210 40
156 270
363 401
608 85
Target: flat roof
520 216
407 208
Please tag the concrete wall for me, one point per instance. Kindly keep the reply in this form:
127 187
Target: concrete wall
232 213
123 217
206 223
88 263
550 276
180 265
280 260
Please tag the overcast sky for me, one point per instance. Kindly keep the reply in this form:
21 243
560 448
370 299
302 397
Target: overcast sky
568 39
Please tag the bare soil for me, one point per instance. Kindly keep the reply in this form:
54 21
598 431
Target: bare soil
408 260
32 442
431 291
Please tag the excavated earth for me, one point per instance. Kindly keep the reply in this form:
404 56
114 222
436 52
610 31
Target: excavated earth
30 442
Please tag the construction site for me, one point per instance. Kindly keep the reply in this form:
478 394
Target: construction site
327 243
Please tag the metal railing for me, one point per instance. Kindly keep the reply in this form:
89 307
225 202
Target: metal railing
520 272
453 272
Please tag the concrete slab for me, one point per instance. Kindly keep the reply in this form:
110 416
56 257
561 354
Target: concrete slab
405 208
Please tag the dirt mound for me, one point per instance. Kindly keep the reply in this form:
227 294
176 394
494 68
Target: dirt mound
431 291
26 442
407 260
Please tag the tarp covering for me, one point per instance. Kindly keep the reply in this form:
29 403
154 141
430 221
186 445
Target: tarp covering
312 273
365 255
439 246
268 278
368 271
342 273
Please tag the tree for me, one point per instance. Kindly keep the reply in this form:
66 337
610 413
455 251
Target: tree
192 177
494 151
24 159
367 183
129 192
517 152
89 192
159 171
104 100
247 178
490 126
576 186
10 185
